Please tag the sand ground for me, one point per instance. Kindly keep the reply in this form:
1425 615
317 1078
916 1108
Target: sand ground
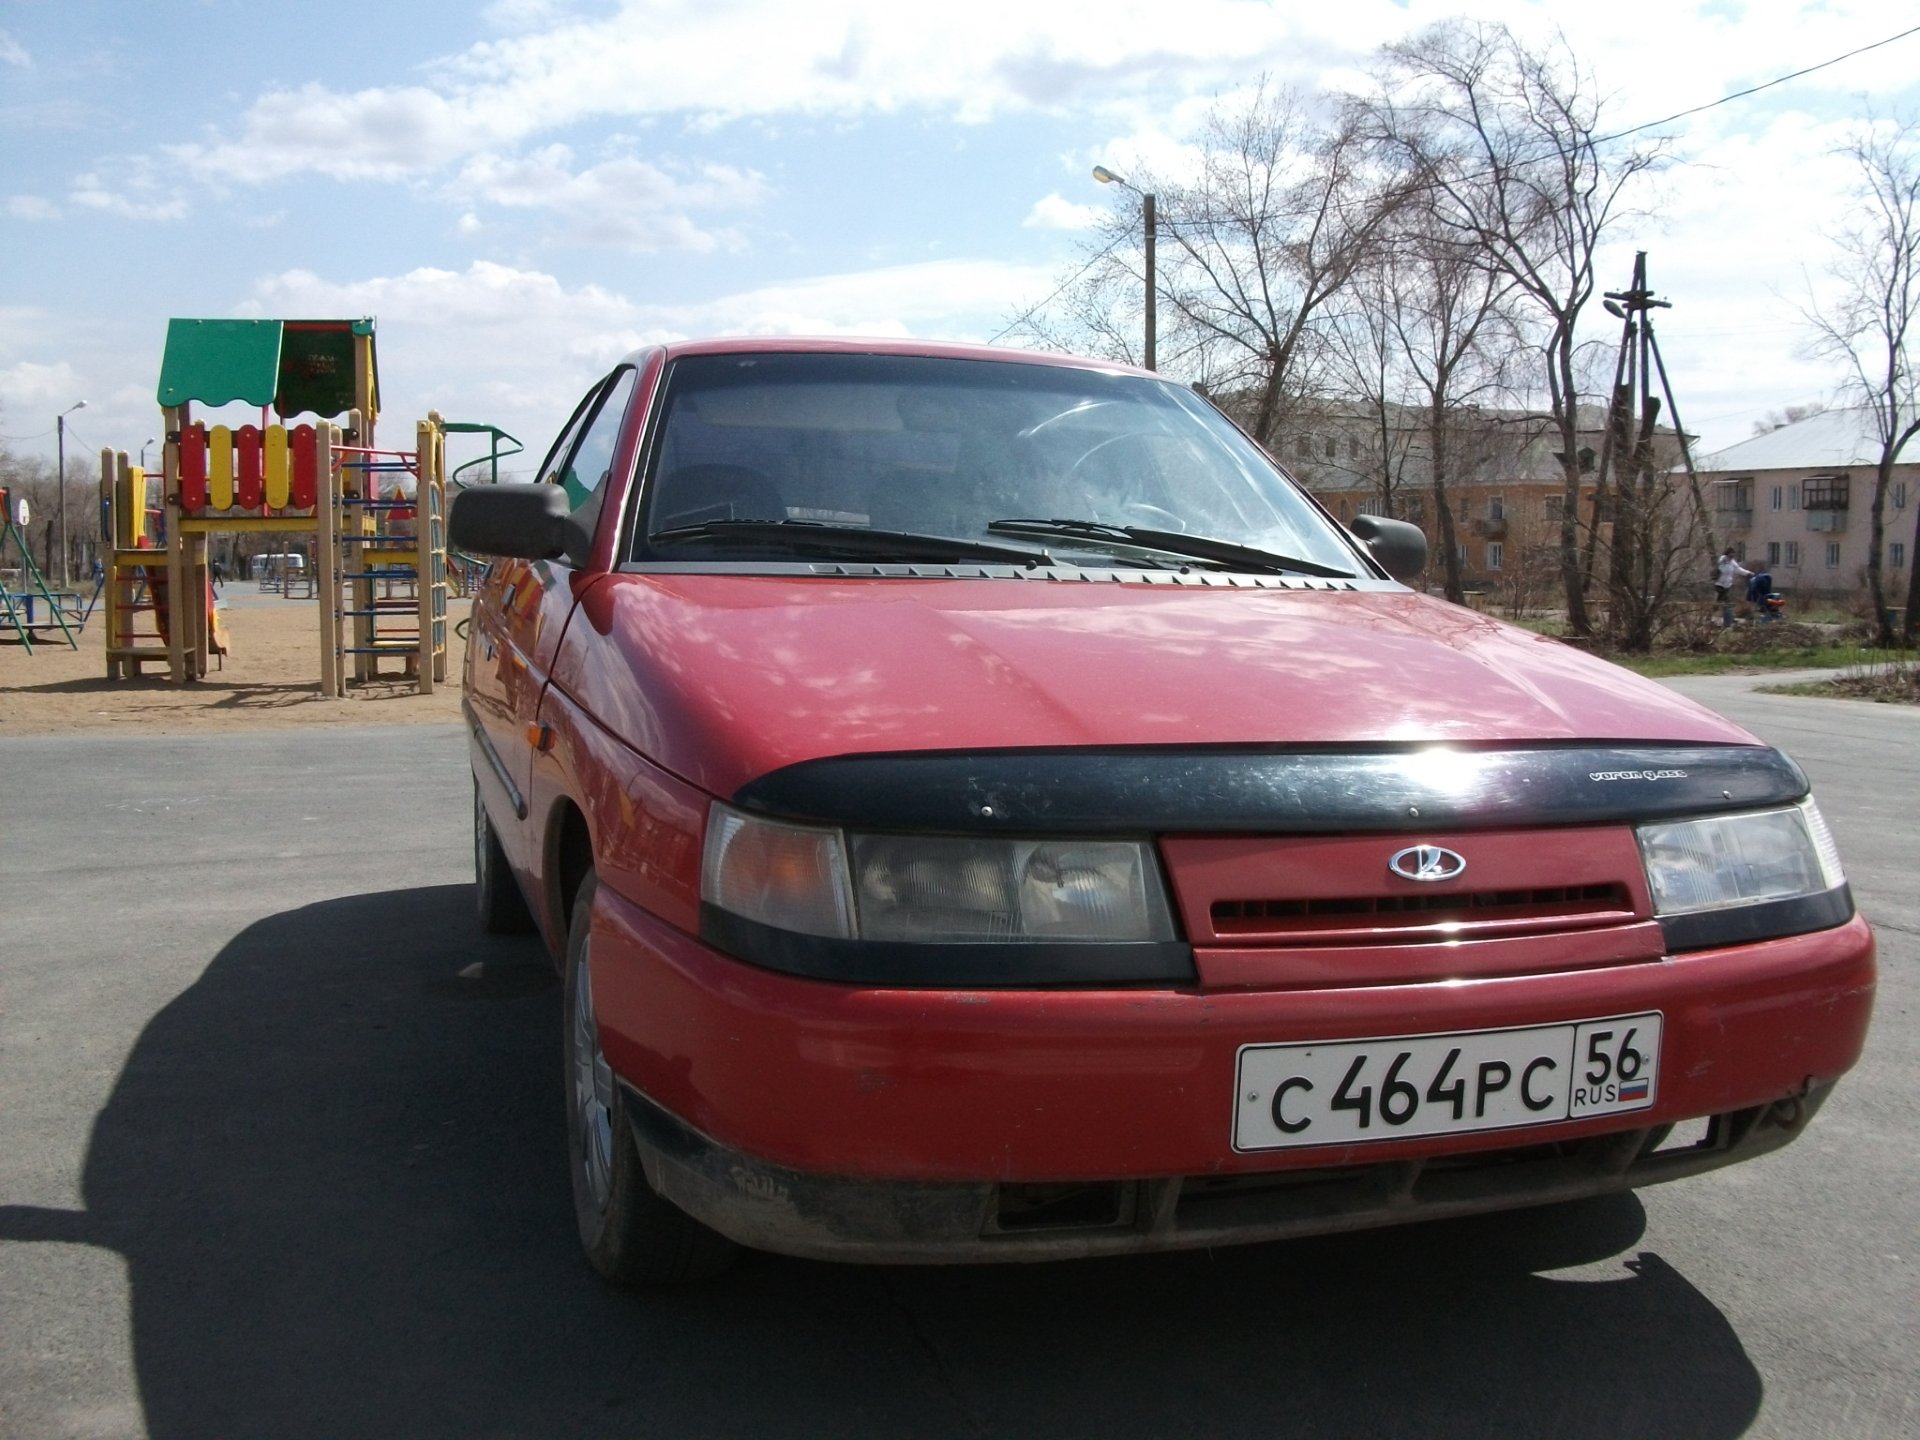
270 678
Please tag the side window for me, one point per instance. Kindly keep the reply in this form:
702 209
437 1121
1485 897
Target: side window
563 447
584 471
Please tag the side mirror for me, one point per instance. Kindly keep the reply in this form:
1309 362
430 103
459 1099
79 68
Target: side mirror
523 522
1400 548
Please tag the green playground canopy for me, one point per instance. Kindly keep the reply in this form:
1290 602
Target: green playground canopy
293 365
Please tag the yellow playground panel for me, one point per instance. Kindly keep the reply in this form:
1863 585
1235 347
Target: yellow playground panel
376 518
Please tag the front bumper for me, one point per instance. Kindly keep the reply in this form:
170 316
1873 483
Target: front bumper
770 1207
820 1118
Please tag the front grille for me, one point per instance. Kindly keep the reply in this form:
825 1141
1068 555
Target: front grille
1511 911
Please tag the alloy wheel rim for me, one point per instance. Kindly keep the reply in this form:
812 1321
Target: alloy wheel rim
592 1094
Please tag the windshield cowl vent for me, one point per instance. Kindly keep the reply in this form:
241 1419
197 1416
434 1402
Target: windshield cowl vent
1078 575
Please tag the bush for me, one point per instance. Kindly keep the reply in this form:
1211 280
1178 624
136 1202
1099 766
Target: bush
1748 639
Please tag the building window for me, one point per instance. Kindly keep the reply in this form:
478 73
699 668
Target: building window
1833 554
1552 507
1899 494
1333 446
1497 508
1793 497
1896 555
1461 551
1824 492
1776 497
1793 554
1353 447
1773 549
1496 552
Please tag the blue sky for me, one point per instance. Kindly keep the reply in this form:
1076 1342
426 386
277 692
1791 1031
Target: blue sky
521 192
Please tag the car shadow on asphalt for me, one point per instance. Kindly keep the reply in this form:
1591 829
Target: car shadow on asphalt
335 1167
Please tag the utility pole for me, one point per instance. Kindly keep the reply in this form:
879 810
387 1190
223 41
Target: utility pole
60 509
1149 224
1638 579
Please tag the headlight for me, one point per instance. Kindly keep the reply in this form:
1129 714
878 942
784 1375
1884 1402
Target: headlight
1733 879
941 889
1751 859
932 889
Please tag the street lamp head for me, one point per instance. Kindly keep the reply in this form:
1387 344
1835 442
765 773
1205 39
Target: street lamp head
1106 176
77 405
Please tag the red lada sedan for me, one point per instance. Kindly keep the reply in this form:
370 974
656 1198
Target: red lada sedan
988 812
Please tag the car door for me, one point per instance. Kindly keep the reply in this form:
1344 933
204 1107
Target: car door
519 615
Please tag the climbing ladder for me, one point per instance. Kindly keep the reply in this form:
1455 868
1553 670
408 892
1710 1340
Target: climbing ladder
392 559
133 580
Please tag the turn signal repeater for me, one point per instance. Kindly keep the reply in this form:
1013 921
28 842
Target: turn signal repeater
540 737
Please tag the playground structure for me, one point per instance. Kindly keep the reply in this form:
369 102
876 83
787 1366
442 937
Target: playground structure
375 519
23 607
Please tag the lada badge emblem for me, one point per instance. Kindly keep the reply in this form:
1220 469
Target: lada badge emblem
1427 862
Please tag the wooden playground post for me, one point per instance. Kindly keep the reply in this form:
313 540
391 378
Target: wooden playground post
326 560
430 588
175 419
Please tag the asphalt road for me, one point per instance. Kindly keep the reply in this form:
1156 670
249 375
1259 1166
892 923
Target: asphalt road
281 1155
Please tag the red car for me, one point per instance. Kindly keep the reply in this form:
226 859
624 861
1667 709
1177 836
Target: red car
988 812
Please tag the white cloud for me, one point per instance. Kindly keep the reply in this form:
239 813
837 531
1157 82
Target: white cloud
30 392
31 207
517 17
1055 212
12 52
91 193
625 202
367 135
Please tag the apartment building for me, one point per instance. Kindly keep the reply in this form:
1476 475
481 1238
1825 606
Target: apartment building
1797 502
1506 487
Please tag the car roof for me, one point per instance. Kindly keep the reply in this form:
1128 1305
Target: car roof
855 345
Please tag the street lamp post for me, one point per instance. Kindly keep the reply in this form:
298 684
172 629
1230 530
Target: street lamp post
143 450
60 510
1149 227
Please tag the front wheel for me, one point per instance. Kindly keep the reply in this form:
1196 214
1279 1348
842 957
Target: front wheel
631 1235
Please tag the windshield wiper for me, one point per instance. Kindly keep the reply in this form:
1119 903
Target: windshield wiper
1172 542
819 537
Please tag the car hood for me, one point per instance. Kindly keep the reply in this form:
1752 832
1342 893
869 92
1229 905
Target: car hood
722 678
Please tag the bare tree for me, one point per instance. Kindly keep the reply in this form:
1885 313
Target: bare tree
1865 330
1788 415
1251 250
1424 310
1507 142
1368 368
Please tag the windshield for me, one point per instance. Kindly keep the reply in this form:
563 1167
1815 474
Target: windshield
816 447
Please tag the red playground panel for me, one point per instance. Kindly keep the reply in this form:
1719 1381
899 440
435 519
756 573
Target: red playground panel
305 455
193 468
251 474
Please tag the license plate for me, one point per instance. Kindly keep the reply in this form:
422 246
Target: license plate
1337 1092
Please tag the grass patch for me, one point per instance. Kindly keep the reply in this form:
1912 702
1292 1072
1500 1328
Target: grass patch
1888 677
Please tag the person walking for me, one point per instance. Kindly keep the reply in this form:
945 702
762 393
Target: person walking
1727 572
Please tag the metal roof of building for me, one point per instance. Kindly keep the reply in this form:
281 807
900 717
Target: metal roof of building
1833 439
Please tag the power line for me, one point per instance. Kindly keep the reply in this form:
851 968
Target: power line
1058 290
1168 221
1756 89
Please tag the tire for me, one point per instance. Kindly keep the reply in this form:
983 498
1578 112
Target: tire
631 1235
497 899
